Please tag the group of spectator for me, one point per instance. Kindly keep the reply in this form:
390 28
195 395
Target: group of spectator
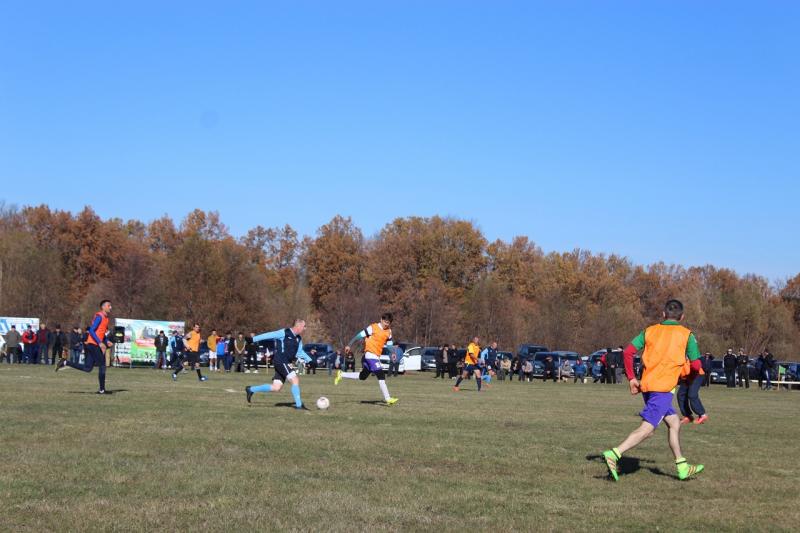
42 345
737 369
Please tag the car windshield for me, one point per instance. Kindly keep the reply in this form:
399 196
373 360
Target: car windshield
540 357
430 351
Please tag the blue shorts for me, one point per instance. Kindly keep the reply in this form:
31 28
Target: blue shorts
373 365
471 368
657 406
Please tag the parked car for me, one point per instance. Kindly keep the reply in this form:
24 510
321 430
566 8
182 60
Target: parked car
322 352
412 358
429 357
563 355
717 374
527 351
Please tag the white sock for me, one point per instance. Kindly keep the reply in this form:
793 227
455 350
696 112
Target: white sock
384 389
350 375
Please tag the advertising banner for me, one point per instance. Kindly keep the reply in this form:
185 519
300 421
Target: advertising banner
139 347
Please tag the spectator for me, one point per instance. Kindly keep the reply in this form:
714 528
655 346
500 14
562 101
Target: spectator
13 340
29 344
620 364
332 361
252 354
768 367
394 360
549 369
211 342
239 352
59 343
706 363
597 371
75 345
312 365
452 364
43 341
565 370
515 369
604 362
742 371
505 368
729 363
579 371
229 350
611 366
527 371
161 343
441 361
349 360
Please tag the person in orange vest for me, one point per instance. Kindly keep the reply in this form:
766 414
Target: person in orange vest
670 351
96 343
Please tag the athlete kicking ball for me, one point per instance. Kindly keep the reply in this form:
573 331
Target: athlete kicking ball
667 346
291 349
375 336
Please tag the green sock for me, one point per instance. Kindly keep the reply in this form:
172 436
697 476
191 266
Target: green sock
680 460
616 452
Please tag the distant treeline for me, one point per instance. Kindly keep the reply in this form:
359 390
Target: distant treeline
441 278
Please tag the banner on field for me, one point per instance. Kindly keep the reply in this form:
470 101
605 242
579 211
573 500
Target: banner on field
22 324
139 345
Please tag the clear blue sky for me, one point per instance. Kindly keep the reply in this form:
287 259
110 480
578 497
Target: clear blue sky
657 130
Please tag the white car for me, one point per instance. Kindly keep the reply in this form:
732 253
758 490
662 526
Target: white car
412 359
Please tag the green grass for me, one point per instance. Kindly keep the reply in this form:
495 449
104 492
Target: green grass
158 455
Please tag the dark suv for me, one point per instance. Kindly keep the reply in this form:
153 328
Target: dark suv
527 351
323 350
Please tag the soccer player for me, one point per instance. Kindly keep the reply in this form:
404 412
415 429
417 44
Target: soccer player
291 348
375 336
471 364
192 354
95 344
667 346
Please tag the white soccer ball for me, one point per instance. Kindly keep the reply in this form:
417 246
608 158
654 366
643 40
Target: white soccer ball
323 403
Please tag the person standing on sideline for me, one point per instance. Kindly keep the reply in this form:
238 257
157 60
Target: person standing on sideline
729 364
191 343
160 343
239 352
349 360
13 340
394 360
28 344
766 369
452 365
58 344
291 348
252 354
96 343
669 349
439 358
611 366
227 354
706 362
742 370
43 340
211 341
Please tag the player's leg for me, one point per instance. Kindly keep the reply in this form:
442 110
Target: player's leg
194 361
100 360
91 357
295 381
461 378
382 385
478 380
685 470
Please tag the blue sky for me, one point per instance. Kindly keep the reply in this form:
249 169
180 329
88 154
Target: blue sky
657 130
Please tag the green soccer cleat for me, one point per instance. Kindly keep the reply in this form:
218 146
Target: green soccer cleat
338 377
685 470
611 462
391 401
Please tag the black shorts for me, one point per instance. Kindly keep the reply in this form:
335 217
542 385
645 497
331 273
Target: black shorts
192 358
282 371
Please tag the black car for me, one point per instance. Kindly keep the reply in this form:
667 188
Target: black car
323 351
527 351
429 357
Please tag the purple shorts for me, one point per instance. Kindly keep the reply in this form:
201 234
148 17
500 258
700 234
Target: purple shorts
657 405
374 365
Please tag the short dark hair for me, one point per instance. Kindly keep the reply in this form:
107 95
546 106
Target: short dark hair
104 302
673 310
387 317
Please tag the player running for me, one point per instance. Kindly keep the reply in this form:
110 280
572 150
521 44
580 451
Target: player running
192 354
94 347
375 336
291 348
471 365
667 346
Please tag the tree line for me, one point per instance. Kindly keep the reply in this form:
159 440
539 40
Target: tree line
440 276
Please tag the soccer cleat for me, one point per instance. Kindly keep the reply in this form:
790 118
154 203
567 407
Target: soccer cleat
247 371
338 377
203 378
174 376
61 364
101 391
391 401
301 408
702 419
611 462
685 470
686 420
456 389
249 393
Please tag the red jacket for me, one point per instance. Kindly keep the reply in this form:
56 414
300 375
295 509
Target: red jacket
29 337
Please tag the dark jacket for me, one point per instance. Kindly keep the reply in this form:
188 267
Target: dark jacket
742 360
59 339
161 342
729 361
75 340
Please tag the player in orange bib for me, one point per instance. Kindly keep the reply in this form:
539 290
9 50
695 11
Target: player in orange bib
670 351
375 336
95 345
471 364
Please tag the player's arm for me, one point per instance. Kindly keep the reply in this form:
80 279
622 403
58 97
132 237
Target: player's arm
93 330
627 356
363 334
484 354
301 354
270 335
693 354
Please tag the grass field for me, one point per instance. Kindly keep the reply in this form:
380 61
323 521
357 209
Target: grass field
158 455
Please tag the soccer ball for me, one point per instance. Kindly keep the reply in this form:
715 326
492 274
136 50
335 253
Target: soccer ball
323 403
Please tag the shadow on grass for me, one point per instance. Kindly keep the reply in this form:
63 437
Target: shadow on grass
373 402
95 392
626 465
